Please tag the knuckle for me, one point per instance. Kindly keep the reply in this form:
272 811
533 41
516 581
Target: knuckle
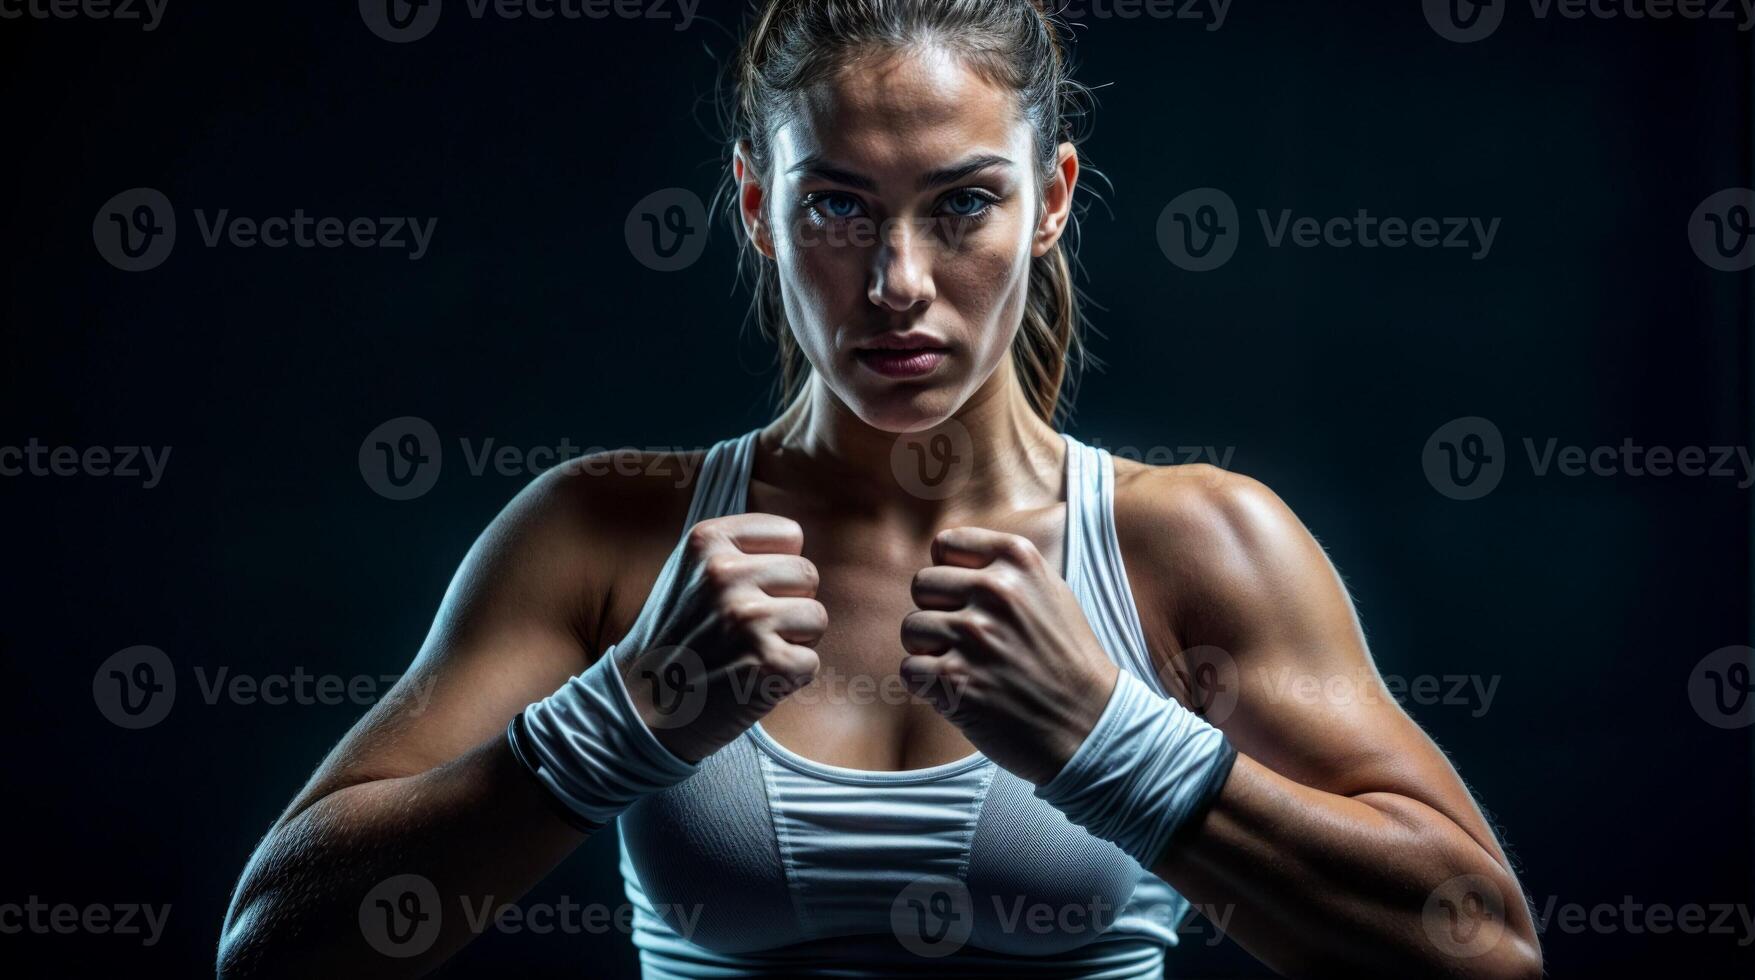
1019 549
1002 586
721 570
819 614
807 572
701 540
742 615
977 626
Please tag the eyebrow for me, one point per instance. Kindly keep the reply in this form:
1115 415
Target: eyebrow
819 168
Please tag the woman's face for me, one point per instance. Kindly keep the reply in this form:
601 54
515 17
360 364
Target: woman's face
903 211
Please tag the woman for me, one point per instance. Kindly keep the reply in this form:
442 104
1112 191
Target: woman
1042 800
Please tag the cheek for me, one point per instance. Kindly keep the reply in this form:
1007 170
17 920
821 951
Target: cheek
985 285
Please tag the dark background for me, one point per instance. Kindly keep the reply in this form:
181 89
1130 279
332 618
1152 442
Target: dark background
1590 599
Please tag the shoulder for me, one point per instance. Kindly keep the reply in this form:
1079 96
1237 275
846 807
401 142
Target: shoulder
565 543
1208 549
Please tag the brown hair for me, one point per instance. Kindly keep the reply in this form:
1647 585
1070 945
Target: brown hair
793 44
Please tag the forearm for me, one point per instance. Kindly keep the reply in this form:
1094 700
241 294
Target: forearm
479 828
1320 884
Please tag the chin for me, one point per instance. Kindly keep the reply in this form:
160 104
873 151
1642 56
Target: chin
903 408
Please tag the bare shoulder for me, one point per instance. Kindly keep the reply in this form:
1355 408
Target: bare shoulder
575 538
1207 548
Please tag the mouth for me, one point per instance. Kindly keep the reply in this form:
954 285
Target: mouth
907 355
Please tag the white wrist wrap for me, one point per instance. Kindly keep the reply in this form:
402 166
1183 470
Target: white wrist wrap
587 744
1147 768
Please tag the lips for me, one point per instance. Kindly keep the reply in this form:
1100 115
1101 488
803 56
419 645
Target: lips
907 355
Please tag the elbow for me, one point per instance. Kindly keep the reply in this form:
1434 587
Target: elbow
240 944
1523 960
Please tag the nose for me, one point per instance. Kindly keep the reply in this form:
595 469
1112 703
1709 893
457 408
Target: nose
901 277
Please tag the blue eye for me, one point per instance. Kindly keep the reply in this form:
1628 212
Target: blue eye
834 206
968 204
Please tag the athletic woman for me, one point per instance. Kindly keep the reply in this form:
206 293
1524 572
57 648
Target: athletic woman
907 680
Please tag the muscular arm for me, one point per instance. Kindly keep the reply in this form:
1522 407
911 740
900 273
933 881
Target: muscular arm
1343 843
424 784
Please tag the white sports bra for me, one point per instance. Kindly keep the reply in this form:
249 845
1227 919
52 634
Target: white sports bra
766 862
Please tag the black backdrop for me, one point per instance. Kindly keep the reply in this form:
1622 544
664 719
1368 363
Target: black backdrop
1585 604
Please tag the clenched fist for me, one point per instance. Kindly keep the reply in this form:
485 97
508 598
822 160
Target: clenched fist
1002 648
738 638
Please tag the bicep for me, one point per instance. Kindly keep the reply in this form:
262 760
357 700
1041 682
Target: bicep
1277 652
514 624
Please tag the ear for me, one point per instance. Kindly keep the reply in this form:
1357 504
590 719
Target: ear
752 200
1057 199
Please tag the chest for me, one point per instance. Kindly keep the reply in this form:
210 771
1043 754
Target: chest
857 714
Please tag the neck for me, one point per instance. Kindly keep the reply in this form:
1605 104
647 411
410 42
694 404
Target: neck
993 454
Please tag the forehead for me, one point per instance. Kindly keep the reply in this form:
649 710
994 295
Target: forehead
902 112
